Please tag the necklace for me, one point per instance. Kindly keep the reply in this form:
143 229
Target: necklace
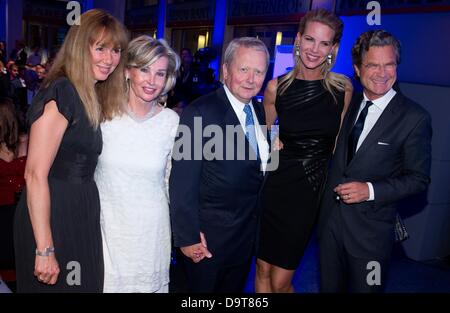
146 117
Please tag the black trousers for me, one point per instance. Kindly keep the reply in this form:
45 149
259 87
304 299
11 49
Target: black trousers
342 272
209 277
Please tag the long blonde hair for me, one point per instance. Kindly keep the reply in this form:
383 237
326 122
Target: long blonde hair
74 61
332 81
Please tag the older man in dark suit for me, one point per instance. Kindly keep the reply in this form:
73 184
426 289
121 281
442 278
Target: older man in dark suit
215 182
383 154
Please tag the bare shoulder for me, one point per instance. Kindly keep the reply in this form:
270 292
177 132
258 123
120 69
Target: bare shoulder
272 85
348 85
271 91
348 90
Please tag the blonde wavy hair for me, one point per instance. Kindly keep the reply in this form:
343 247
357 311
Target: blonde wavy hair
73 60
332 81
143 51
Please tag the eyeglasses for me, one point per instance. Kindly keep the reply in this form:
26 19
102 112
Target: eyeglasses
377 67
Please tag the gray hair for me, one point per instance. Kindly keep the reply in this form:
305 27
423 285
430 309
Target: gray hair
144 51
374 38
246 42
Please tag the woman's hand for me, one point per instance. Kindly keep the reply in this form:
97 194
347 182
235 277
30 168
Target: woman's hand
277 145
46 269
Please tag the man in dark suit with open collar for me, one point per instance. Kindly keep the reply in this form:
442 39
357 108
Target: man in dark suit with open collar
383 154
214 190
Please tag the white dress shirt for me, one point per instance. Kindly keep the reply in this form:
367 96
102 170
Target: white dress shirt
238 107
372 117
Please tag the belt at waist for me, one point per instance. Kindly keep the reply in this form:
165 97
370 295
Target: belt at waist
308 148
73 172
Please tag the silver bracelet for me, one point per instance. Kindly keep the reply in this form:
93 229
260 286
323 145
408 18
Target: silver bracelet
47 251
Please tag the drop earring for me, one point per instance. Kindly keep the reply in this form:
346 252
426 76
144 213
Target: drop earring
127 84
297 50
329 59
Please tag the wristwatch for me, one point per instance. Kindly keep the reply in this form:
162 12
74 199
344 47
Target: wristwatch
46 252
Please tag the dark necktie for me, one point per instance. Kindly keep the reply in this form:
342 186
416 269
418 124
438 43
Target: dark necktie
356 131
250 132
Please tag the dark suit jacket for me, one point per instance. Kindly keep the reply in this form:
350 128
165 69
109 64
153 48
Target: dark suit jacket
398 168
217 197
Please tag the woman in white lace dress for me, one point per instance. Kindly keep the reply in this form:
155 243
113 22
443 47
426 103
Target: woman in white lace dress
132 173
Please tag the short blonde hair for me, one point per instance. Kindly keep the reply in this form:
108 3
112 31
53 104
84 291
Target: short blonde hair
74 61
144 51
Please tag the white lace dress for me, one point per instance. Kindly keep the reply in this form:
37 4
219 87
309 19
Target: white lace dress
131 176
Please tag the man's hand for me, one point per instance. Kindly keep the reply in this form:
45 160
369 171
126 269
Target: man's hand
353 192
198 251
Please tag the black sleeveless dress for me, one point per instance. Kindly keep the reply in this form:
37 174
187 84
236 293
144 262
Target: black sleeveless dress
309 120
74 202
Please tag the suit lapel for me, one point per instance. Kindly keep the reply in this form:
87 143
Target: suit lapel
385 121
259 112
230 118
348 124
352 115
260 115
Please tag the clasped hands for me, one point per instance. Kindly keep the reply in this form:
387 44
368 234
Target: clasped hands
198 251
353 192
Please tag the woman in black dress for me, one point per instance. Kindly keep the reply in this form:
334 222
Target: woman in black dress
57 234
310 102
